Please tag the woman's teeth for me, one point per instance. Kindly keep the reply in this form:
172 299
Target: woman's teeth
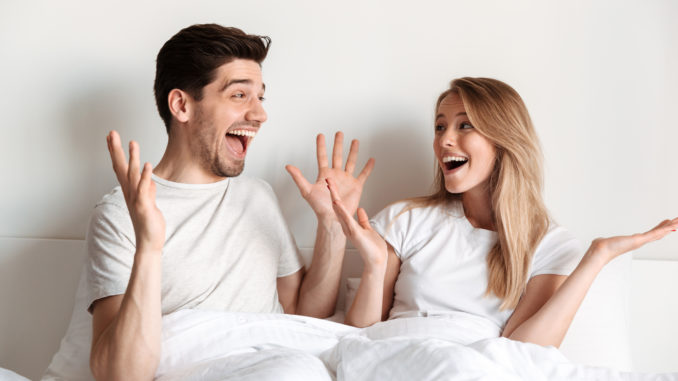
452 162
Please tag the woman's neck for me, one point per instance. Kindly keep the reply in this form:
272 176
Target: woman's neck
477 204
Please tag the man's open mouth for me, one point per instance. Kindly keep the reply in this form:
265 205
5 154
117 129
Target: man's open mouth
239 139
454 162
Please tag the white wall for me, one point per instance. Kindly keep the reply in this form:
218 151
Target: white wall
600 79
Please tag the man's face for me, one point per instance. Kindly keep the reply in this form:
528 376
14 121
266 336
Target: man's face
228 117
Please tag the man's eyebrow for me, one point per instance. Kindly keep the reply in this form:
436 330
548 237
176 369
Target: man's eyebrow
239 81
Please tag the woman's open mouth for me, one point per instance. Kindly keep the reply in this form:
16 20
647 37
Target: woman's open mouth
454 162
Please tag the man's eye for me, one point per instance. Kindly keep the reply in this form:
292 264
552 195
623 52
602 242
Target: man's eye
239 95
465 125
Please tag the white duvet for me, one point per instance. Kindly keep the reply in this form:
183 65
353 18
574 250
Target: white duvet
204 345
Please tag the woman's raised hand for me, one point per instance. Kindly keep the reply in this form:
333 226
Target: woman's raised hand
369 243
139 192
606 249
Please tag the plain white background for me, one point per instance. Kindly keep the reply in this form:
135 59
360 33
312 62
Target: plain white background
600 79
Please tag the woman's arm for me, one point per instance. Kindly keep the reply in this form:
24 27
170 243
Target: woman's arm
553 316
392 272
368 304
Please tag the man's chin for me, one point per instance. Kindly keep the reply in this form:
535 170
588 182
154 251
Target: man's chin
228 170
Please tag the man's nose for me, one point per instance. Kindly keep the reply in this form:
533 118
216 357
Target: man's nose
256 112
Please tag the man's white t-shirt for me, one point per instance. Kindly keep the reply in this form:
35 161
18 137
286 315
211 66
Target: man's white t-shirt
226 245
443 262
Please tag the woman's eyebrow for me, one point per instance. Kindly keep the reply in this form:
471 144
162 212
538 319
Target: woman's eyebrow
458 114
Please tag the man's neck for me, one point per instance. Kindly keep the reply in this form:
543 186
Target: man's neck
180 165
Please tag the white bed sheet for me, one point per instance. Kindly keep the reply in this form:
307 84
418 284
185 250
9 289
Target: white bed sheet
204 345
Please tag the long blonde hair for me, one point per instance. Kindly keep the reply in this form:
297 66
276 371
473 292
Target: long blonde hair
498 113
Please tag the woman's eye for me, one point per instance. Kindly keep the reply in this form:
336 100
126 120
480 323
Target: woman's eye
261 99
465 125
439 127
239 95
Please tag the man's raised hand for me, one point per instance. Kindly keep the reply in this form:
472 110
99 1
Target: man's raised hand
139 192
348 187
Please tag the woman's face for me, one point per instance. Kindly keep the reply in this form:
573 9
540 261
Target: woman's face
465 156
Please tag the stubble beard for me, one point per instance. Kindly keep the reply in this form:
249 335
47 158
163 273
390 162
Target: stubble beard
211 158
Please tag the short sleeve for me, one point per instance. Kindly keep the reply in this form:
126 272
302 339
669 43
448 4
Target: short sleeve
558 253
290 259
110 251
395 227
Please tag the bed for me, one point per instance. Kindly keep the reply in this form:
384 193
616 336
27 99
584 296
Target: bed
627 321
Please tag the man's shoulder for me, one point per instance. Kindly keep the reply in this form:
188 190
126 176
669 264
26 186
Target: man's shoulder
112 200
111 207
252 186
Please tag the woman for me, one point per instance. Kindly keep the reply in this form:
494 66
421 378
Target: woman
483 246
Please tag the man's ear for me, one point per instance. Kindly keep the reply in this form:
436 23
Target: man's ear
180 105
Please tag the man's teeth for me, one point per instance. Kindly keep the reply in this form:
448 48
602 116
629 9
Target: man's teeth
448 159
251 134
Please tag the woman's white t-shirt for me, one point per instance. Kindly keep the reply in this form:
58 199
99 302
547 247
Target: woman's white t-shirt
443 262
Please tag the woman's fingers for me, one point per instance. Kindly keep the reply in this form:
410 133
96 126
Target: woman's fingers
345 218
363 220
337 150
659 231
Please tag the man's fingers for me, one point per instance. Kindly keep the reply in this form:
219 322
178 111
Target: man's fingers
321 151
299 179
118 158
133 170
337 150
352 157
365 173
145 181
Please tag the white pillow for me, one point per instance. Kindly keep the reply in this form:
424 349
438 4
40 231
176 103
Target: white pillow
71 362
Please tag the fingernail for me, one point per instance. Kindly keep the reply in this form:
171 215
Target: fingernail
673 230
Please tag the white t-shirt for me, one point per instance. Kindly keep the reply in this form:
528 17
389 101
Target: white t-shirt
226 245
443 262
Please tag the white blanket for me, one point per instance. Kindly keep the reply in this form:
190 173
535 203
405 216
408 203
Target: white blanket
204 345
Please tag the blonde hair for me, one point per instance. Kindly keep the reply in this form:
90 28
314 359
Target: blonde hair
498 113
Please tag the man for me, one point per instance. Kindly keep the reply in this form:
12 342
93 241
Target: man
199 236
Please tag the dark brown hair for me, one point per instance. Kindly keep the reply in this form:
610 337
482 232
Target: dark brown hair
189 60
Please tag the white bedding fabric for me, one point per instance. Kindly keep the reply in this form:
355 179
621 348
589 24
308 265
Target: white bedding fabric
205 345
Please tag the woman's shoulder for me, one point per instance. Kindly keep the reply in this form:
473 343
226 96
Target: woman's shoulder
415 210
557 235
412 220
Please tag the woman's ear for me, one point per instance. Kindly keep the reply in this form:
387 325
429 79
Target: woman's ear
180 105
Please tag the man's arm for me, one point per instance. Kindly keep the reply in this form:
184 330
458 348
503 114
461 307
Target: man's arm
319 287
126 329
